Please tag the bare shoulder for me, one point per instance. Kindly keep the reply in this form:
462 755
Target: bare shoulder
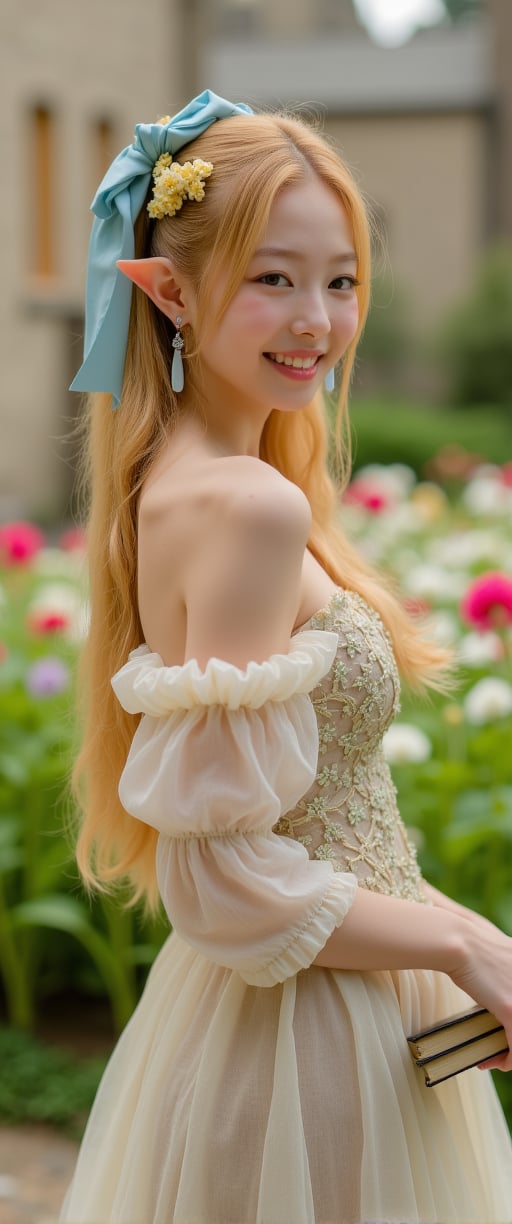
255 490
235 536
261 487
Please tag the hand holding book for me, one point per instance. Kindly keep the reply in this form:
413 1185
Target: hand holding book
457 1043
485 973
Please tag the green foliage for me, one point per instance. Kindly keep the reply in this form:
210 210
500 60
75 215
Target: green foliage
390 431
51 938
456 799
459 806
42 1084
477 339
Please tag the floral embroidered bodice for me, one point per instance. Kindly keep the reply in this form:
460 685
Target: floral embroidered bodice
350 816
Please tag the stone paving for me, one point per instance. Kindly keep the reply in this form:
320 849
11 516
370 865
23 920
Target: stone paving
36 1164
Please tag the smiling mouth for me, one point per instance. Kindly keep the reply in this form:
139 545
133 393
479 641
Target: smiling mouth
298 363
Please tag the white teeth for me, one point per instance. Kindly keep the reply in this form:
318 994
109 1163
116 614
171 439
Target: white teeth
299 363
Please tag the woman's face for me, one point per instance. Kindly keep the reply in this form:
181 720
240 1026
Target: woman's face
296 310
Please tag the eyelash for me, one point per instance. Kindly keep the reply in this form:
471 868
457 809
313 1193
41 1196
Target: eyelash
268 275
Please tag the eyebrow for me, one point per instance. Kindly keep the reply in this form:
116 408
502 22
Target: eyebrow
344 257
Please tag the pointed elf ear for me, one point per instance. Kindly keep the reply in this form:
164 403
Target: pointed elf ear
156 277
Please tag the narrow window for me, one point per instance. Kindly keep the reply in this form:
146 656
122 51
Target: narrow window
43 214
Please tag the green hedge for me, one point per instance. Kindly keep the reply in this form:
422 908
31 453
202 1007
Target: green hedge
391 431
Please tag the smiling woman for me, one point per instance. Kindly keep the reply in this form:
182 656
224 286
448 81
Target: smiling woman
241 671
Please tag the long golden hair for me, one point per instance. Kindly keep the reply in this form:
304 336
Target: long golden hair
254 158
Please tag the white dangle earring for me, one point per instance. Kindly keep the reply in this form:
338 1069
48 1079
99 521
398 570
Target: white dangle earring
329 380
177 375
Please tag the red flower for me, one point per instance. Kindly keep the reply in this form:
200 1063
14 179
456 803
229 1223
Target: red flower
363 493
506 474
487 603
48 622
19 542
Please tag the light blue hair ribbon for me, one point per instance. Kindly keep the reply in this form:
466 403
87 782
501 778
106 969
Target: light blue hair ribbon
116 205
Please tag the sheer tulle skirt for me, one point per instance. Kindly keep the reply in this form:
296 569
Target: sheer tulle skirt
225 1103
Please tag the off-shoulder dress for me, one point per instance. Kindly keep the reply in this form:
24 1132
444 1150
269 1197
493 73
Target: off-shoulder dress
251 1086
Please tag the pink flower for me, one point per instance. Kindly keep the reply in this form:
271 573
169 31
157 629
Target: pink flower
19 542
363 493
47 622
506 474
487 603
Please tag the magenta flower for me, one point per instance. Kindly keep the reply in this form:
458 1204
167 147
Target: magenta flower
19 542
45 623
363 493
487 603
48 677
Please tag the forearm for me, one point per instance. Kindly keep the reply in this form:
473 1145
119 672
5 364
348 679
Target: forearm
381 932
454 907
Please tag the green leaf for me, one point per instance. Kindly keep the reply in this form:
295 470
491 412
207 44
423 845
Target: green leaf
63 913
14 769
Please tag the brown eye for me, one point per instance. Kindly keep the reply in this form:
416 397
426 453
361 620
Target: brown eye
273 279
344 282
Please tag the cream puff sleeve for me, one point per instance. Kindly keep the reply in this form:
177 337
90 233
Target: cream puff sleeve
217 758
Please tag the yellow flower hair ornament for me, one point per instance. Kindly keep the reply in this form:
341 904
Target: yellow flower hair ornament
175 183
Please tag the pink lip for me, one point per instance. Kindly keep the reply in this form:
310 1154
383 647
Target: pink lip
294 372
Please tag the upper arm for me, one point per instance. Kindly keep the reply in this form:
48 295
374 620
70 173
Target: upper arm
243 580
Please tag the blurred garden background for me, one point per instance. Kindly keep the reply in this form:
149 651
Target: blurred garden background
420 102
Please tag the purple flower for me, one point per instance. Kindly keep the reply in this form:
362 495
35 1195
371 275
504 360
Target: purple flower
47 677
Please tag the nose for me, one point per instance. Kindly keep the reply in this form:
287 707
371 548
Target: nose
311 317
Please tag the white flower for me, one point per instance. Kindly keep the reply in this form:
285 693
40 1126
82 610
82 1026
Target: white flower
56 598
63 599
487 495
402 518
429 581
477 649
462 548
488 699
404 743
394 478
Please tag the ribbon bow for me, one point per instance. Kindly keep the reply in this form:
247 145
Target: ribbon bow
116 206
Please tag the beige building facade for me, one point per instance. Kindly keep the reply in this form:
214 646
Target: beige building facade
414 123
74 79
419 125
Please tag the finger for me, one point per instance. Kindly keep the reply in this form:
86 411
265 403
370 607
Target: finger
500 1062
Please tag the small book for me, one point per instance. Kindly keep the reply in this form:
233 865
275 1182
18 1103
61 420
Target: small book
463 1057
456 1044
447 1034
